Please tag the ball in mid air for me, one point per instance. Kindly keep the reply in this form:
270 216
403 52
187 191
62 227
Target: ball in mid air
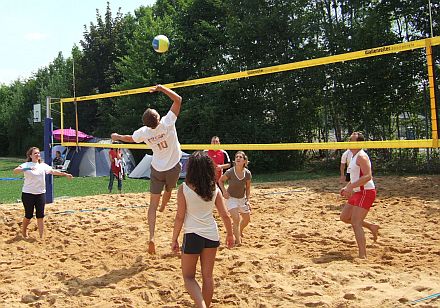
161 43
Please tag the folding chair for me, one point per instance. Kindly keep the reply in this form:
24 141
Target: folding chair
65 165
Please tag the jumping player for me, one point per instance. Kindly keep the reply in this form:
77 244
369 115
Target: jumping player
161 136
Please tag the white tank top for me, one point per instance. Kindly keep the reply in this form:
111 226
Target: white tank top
356 172
198 217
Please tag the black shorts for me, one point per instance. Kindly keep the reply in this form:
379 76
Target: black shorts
194 244
347 177
31 201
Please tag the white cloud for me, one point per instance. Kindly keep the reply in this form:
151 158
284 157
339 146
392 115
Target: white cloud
35 36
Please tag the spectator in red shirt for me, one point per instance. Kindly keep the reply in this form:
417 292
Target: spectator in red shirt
116 170
220 158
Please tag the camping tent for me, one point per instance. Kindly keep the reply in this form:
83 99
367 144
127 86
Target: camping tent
143 169
88 161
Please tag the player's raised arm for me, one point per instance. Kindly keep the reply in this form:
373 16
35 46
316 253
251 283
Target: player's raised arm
176 98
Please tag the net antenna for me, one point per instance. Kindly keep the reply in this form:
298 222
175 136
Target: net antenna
74 101
430 17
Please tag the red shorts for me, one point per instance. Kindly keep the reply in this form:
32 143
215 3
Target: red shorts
363 198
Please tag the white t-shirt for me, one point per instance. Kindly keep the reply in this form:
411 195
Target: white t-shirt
35 180
346 159
163 141
198 217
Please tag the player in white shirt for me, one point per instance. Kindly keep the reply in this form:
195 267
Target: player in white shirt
34 188
161 136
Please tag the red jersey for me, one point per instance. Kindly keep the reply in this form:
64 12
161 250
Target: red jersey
115 162
220 157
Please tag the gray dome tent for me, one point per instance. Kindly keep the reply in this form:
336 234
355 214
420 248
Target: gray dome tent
143 168
88 161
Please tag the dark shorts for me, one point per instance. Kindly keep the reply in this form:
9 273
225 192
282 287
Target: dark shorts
31 201
347 177
194 244
168 178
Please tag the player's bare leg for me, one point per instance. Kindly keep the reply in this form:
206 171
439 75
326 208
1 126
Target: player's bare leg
24 226
154 202
245 219
165 199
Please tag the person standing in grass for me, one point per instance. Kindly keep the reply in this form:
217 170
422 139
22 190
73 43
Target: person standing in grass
116 171
33 193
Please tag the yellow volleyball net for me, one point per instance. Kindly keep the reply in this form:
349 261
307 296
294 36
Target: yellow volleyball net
424 45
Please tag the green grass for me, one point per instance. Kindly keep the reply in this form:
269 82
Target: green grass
87 186
10 191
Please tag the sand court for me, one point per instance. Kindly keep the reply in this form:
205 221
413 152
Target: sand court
295 252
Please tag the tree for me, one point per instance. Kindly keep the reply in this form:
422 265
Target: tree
103 44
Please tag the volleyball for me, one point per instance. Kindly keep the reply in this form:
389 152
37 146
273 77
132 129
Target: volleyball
161 43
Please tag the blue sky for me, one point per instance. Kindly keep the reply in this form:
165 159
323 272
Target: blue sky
34 31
